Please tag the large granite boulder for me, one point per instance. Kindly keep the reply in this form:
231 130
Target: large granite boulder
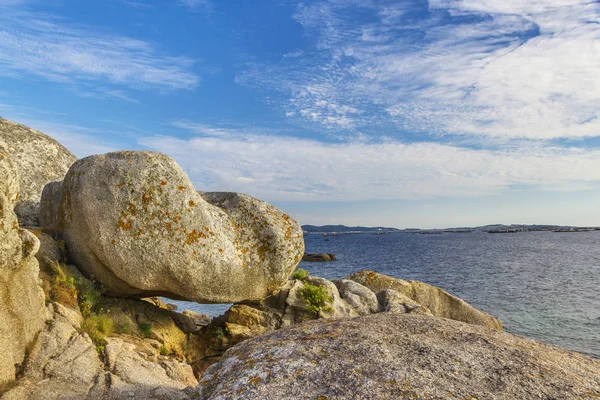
134 222
22 310
438 301
398 356
40 160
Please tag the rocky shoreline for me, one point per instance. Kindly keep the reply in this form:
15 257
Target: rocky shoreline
81 260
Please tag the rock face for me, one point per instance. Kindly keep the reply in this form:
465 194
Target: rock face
398 356
341 299
22 311
133 222
65 363
40 160
439 302
322 257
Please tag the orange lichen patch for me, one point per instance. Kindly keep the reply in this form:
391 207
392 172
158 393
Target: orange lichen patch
180 187
192 203
194 237
168 226
124 224
286 217
171 245
113 241
220 250
146 199
163 183
132 209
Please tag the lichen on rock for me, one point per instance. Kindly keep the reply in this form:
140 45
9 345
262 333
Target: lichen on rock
134 222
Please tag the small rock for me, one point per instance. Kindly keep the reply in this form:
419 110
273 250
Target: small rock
322 257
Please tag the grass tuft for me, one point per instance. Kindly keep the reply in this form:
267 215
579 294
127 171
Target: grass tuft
300 274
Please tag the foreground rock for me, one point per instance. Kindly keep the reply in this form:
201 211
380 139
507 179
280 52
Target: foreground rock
321 257
398 356
127 212
309 298
39 158
439 302
22 311
65 363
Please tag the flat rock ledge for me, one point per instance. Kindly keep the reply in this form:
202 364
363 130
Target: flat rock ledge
398 356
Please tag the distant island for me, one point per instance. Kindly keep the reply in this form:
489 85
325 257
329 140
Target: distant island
493 228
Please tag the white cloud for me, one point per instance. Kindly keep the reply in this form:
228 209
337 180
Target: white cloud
52 48
508 69
279 168
206 5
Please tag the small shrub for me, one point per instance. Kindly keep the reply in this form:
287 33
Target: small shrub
220 332
316 298
100 349
98 327
146 329
62 289
300 274
89 296
122 324
164 351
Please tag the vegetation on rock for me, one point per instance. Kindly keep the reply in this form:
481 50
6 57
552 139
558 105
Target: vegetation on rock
316 298
300 274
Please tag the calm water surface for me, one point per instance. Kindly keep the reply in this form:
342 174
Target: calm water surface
543 285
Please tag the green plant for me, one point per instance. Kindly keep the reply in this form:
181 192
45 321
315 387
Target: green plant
146 329
63 288
300 274
98 326
122 324
164 351
90 295
316 298
220 332
100 348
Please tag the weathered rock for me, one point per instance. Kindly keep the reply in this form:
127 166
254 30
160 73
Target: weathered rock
439 302
190 321
322 257
122 213
130 314
62 353
359 297
22 310
40 160
65 364
398 356
124 361
395 302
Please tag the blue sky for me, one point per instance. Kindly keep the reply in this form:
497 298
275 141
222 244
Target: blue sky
401 113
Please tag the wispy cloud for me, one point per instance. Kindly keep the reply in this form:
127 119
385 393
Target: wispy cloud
205 5
48 47
280 168
510 69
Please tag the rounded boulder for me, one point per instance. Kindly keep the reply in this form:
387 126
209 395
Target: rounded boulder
134 222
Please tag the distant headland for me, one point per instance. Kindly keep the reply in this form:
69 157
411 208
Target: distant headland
493 228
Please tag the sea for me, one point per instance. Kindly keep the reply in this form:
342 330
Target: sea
542 285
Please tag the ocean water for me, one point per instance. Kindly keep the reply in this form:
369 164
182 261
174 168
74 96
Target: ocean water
542 285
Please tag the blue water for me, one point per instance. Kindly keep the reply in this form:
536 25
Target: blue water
542 285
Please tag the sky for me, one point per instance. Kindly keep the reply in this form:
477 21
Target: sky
411 113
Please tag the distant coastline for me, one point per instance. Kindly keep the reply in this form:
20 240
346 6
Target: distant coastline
494 228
